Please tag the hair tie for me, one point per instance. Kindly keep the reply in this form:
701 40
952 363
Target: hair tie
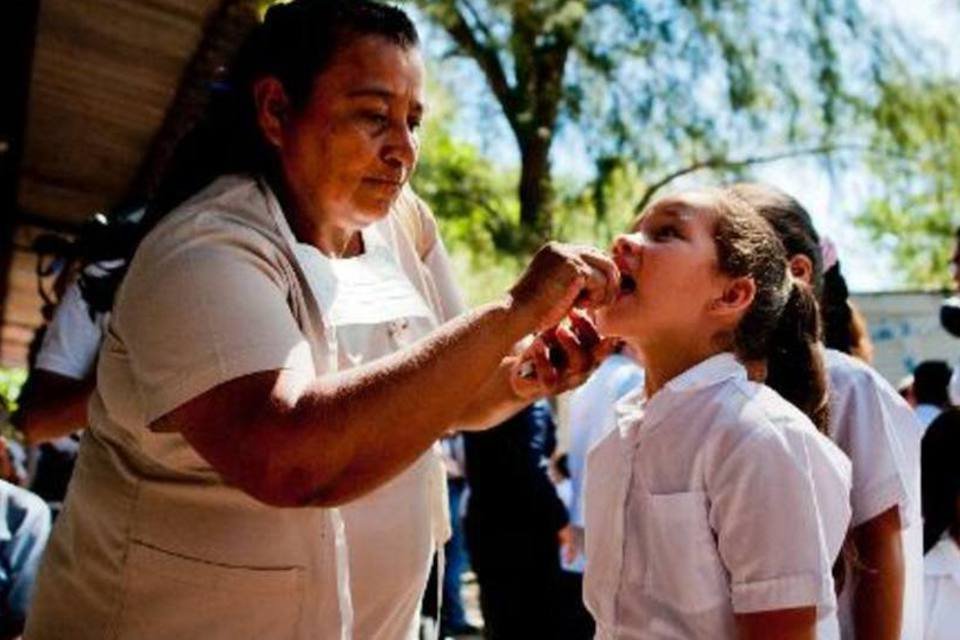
829 254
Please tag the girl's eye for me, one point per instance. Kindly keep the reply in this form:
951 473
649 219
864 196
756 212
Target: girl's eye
665 232
413 124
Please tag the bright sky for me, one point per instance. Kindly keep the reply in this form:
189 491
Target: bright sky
832 199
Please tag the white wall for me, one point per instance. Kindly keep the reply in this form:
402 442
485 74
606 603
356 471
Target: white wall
905 328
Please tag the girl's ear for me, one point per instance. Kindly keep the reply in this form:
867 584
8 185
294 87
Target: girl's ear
801 268
272 106
735 298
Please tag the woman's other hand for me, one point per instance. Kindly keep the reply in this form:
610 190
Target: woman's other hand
562 276
560 357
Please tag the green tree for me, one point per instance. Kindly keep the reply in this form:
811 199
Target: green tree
916 207
664 85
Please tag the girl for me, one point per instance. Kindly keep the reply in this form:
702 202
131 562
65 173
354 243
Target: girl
715 509
881 596
941 523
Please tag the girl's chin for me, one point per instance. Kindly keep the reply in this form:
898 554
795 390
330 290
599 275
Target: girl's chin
614 322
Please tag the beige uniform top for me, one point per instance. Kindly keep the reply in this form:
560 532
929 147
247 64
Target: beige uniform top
152 543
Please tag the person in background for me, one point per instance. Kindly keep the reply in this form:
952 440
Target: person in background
941 522
950 316
592 415
53 404
453 618
844 326
882 579
905 389
931 378
24 529
514 517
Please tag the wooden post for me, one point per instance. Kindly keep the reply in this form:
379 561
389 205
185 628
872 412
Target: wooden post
18 31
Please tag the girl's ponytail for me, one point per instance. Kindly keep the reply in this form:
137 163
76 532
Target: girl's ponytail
782 326
795 367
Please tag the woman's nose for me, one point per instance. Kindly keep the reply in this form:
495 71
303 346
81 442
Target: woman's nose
401 148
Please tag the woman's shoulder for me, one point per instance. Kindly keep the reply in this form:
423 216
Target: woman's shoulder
232 212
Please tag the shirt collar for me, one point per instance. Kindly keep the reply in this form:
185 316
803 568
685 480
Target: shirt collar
635 407
711 371
943 559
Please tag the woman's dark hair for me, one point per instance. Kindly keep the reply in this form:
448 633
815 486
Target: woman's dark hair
782 325
295 42
940 477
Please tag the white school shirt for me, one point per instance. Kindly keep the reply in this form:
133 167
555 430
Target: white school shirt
592 416
941 591
927 413
72 339
152 542
881 435
713 497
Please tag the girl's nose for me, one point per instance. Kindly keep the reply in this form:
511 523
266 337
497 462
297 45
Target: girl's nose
627 249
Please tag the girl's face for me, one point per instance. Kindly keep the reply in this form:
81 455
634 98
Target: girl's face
669 264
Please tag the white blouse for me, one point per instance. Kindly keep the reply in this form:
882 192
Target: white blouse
711 498
881 434
942 591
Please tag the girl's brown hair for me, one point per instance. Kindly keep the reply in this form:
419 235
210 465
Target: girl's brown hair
782 325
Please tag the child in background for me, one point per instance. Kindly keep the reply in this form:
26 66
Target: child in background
715 509
882 593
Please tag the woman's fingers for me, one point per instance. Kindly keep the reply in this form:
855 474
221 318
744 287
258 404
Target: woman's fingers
603 281
575 356
562 357
561 276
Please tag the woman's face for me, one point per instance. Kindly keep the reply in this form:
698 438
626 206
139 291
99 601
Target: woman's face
669 263
347 153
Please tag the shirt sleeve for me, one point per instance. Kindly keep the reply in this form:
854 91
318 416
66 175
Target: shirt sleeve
28 523
203 308
881 437
769 531
72 339
437 261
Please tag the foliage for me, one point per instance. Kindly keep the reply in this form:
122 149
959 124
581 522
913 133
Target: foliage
479 211
667 84
11 382
916 208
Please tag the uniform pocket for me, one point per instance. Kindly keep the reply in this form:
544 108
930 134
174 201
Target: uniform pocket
684 567
168 595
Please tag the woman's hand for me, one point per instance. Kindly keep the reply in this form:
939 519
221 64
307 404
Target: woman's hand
560 358
560 277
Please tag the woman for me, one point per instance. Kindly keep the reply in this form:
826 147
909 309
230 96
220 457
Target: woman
226 422
716 508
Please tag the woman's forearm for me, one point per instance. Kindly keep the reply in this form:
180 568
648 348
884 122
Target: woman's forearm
289 440
335 438
494 402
